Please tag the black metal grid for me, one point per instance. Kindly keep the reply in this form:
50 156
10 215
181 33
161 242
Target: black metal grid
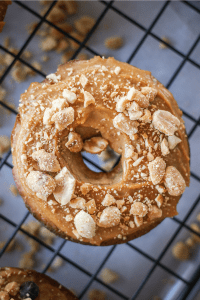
4 161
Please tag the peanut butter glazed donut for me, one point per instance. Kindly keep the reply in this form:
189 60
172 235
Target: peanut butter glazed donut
85 106
23 284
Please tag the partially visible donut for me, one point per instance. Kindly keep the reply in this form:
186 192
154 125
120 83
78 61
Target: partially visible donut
18 284
3 9
87 105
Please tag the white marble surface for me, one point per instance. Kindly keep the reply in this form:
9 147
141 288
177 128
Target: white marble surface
180 24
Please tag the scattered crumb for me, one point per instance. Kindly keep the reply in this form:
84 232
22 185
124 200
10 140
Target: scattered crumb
109 276
10 247
30 27
82 56
63 45
162 45
77 36
96 295
66 57
14 190
48 44
196 228
84 24
27 261
2 93
198 217
114 42
27 54
57 263
6 42
4 144
181 251
19 74
45 58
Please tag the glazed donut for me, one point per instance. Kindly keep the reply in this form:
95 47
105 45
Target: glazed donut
85 106
18 284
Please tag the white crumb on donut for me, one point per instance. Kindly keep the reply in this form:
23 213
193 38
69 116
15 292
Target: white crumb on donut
59 103
70 96
149 92
159 200
165 122
88 99
63 118
42 184
123 123
173 141
83 80
110 217
85 225
154 212
77 203
65 186
157 170
55 78
95 145
47 161
164 147
174 181
108 200
117 70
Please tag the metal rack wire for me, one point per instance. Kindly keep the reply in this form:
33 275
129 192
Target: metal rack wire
4 161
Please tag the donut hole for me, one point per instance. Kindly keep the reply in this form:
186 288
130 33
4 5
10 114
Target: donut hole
106 161
83 169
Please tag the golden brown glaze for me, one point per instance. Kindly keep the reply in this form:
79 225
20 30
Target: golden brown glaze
96 90
49 289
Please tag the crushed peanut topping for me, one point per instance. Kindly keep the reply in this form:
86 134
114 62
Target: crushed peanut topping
85 225
165 122
108 200
95 145
138 209
88 99
174 182
47 161
157 170
74 143
65 186
110 217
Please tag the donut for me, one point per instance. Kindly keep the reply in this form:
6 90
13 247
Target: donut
3 9
18 284
87 106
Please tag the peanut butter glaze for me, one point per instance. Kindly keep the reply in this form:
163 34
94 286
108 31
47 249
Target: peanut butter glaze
98 91
12 278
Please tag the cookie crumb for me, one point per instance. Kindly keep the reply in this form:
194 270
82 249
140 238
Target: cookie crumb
162 45
4 144
180 251
114 42
96 295
14 190
109 276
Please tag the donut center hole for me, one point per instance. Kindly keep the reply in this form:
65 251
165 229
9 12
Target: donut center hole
103 162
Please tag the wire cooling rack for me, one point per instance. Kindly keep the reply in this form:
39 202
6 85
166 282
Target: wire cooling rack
151 263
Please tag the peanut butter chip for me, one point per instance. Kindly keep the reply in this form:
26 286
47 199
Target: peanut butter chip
65 186
47 161
123 123
12 288
174 181
108 200
95 145
85 225
157 170
122 104
138 209
42 184
63 118
154 212
74 143
88 99
165 122
110 217
48 114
